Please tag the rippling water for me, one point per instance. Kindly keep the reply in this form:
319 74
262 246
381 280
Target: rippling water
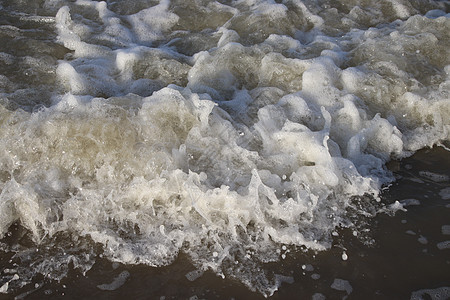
255 141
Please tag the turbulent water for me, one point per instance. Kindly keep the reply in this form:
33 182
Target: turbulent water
225 131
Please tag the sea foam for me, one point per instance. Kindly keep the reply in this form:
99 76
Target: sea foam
221 138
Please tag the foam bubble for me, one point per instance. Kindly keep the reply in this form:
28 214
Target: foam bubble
438 293
445 193
308 268
194 275
434 176
409 202
5 286
443 245
445 229
344 256
149 24
342 285
116 283
423 240
318 296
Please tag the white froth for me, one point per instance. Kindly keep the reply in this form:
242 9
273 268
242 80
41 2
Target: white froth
409 202
445 193
5 286
308 268
434 294
344 256
226 137
423 240
149 24
434 176
194 275
445 229
116 283
443 245
342 285
318 296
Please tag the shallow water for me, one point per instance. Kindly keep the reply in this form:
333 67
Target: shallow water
224 148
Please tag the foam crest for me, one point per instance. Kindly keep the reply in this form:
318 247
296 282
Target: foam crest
148 24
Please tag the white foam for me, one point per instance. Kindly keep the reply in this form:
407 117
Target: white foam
443 245
194 275
344 256
342 285
409 202
116 283
259 141
445 193
308 268
318 296
434 294
5 286
445 229
149 24
71 78
423 240
434 176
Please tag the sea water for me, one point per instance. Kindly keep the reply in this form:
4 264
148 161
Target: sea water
229 133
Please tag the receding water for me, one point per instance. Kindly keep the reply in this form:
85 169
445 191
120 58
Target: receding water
224 149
